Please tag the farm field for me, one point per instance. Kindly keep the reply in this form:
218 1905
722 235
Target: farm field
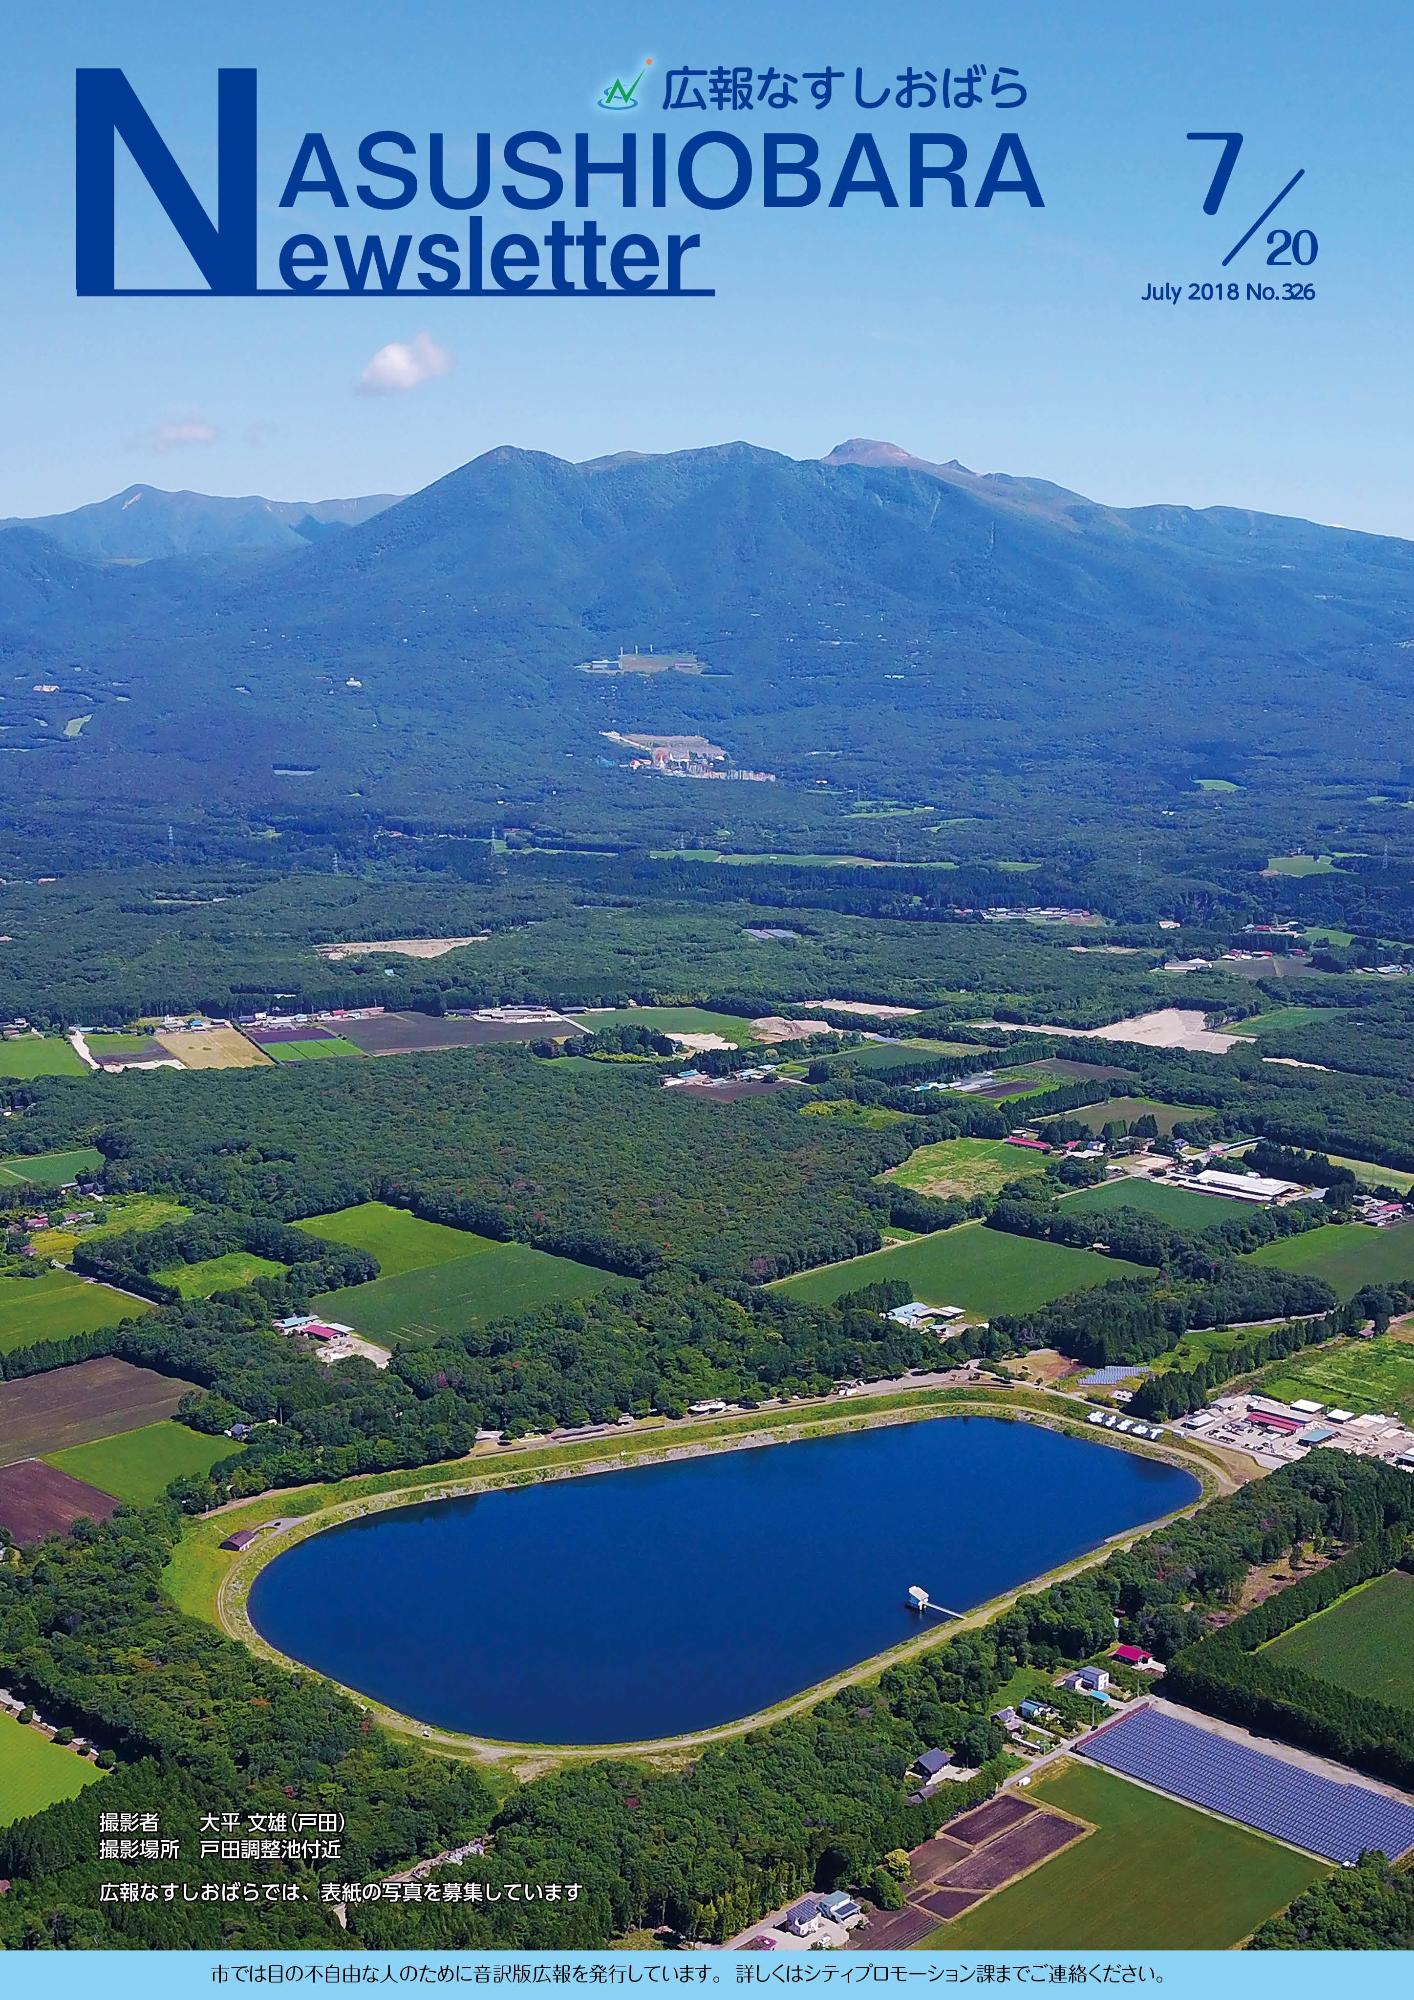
407 1033
138 1466
1179 1206
35 1773
55 1306
1374 1176
1303 864
1364 1643
492 1283
218 1274
1153 1875
872 1117
734 1028
399 1240
113 1045
311 1051
1012 1082
793 860
1278 1020
212 1048
86 1400
966 1166
39 1055
37 1500
1357 1375
1066 1069
120 1213
982 1270
50 1170
1124 1110
1346 1254
435 1280
893 1054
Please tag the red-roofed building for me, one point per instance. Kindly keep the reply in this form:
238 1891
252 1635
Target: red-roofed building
1133 1656
1270 1420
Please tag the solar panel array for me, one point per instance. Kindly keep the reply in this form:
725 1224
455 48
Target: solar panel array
1106 1378
1320 1814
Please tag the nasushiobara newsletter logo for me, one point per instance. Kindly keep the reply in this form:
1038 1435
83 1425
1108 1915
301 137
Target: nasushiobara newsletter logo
452 193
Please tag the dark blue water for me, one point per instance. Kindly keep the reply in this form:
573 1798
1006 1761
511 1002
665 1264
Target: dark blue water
645 1603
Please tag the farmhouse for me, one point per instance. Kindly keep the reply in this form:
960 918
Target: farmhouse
1132 1656
1093 1681
931 1764
310 1328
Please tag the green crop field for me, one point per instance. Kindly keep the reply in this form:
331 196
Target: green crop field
435 1280
1357 1375
966 1166
218 1274
399 1240
1277 1020
311 1051
734 1028
1124 1111
120 1213
1179 1206
1346 1254
1303 864
1364 1643
139 1466
493 1283
55 1306
1154 1875
983 1270
35 1773
39 1055
1374 1176
49 1170
894 1054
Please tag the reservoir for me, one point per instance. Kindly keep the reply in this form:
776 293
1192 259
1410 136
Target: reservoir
671 1597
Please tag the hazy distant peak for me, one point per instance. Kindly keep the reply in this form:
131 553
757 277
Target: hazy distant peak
143 523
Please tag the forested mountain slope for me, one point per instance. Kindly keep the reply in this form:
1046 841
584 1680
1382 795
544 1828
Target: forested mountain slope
867 622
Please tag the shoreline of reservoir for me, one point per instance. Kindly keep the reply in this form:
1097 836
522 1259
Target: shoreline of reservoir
229 1593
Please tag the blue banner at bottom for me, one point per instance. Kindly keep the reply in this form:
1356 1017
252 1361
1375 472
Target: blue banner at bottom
1197 1975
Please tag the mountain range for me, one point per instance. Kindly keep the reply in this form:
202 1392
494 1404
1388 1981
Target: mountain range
870 622
143 523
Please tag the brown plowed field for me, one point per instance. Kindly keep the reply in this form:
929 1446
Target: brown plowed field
90 1399
36 1501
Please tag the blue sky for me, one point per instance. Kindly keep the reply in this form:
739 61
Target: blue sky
1011 339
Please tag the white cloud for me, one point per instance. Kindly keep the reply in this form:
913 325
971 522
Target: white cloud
402 365
188 430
